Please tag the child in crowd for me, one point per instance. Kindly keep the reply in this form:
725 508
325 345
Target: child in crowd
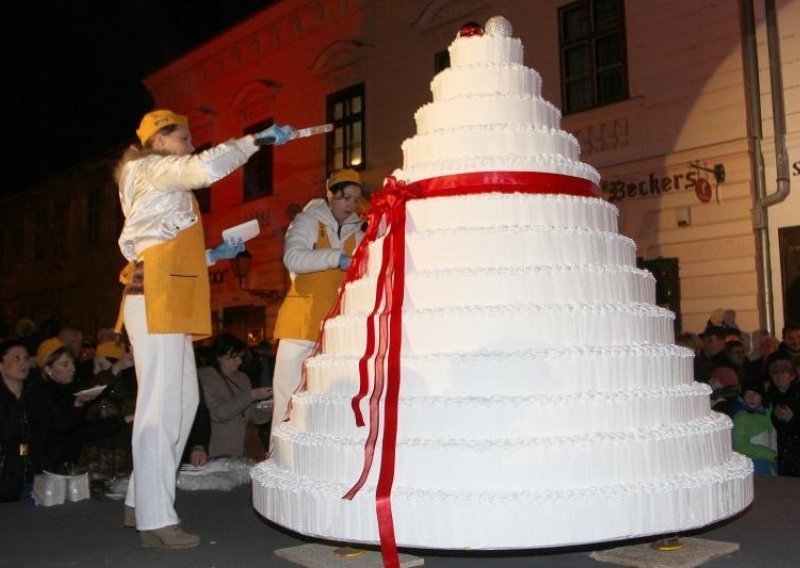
753 433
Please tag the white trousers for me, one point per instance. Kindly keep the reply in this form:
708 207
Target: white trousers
288 371
166 402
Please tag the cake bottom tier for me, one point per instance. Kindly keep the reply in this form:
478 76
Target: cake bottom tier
506 520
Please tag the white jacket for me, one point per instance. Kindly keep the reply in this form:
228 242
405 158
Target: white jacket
155 191
300 256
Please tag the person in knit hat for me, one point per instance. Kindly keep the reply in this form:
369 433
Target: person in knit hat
753 433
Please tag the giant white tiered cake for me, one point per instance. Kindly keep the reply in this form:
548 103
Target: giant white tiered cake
542 401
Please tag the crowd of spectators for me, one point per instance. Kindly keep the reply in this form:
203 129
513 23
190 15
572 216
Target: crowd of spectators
67 404
760 392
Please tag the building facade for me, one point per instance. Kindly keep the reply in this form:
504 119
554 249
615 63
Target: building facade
656 92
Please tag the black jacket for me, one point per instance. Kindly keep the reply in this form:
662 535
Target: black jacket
15 463
59 428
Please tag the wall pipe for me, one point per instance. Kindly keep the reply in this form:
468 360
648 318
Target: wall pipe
762 201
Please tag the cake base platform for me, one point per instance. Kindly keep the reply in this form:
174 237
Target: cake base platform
695 552
316 555
488 520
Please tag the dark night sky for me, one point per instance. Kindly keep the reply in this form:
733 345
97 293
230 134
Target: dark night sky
73 70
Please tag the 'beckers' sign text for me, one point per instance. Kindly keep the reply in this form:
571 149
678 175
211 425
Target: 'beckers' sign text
653 185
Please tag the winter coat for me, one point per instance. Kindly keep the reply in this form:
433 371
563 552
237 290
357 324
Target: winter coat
59 428
755 437
231 407
788 432
15 465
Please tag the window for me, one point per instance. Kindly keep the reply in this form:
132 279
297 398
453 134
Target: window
594 69
441 61
203 194
258 169
345 145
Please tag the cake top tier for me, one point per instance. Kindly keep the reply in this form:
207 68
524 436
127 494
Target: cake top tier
487 115
493 44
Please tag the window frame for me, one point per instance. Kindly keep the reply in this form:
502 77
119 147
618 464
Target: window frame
344 125
594 35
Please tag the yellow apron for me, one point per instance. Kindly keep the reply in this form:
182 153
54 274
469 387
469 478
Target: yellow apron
176 287
311 296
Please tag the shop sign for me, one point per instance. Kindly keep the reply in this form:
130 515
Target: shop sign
702 189
653 184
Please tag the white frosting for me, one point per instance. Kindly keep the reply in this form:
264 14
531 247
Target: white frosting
567 369
599 458
608 412
542 401
559 284
477 110
466 142
512 163
477 79
515 246
484 210
468 328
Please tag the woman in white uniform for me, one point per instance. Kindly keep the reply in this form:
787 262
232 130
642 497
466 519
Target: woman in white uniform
166 302
319 245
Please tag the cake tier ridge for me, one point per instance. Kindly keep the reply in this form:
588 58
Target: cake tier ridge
732 468
496 140
602 412
470 464
530 372
489 111
487 79
470 328
583 284
510 247
489 162
489 209
489 519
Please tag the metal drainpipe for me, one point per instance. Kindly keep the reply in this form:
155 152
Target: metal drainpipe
763 201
